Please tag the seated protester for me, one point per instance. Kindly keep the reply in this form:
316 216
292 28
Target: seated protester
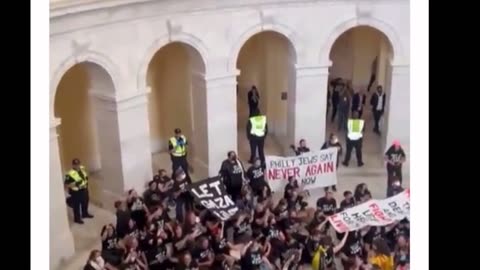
212 224
180 240
324 257
402 253
186 262
110 248
151 196
296 202
352 247
395 187
367 197
380 255
277 240
293 246
145 238
138 209
281 210
397 228
318 222
242 230
133 258
327 204
371 234
157 256
260 218
312 243
293 262
246 200
348 201
225 252
253 256
133 230
291 186
360 191
203 253
123 218
257 178
96 262
289 224
164 183
192 224
159 218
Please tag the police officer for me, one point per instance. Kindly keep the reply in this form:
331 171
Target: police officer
354 139
77 182
257 129
177 145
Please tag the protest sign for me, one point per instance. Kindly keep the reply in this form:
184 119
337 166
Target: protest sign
212 195
373 213
312 169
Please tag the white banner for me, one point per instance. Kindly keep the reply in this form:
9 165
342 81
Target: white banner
373 213
312 169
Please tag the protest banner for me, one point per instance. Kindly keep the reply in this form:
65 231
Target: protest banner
312 170
373 213
211 193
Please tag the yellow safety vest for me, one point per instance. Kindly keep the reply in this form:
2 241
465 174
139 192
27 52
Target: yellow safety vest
80 183
179 150
258 125
316 261
355 127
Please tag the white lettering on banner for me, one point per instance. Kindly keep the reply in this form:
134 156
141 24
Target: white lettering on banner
212 195
373 213
312 170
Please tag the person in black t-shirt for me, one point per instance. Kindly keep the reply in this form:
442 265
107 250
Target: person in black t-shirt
327 204
110 248
180 193
186 263
152 195
360 191
203 253
123 218
333 143
302 148
348 200
232 172
252 257
395 157
257 179
138 209
352 247
157 256
291 186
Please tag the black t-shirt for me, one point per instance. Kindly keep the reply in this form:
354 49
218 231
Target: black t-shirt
251 260
257 179
395 155
180 185
121 227
201 255
156 255
311 246
160 220
288 188
353 245
242 228
344 204
281 213
152 198
110 243
221 246
374 233
328 206
295 203
232 174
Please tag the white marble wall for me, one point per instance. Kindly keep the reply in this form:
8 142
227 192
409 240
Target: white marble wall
122 39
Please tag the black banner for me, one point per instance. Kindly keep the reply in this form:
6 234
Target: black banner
211 193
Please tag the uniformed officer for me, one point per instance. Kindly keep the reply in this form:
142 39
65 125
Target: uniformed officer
177 145
77 181
355 128
257 129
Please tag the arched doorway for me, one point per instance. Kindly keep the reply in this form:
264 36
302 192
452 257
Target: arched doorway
361 59
78 131
267 61
176 75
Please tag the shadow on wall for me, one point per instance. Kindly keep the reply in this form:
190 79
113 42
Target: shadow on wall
77 131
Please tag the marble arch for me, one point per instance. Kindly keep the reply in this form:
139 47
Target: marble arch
379 25
97 62
188 39
281 29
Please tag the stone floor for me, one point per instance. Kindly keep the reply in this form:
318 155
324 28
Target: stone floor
87 236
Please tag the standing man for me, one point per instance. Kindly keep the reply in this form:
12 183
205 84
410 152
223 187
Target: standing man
358 101
77 182
395 157
253 100
177 145
378 107
337 86
354 139
257 129
343 109
232 173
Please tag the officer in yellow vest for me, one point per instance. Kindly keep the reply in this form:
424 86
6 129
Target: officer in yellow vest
355 127
257 130
177 145
77 182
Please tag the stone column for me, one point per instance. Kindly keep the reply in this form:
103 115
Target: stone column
222 119
61 238
308 106
124 142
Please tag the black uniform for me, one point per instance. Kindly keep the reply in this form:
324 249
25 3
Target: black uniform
354 144
179 161
256 143
79 198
